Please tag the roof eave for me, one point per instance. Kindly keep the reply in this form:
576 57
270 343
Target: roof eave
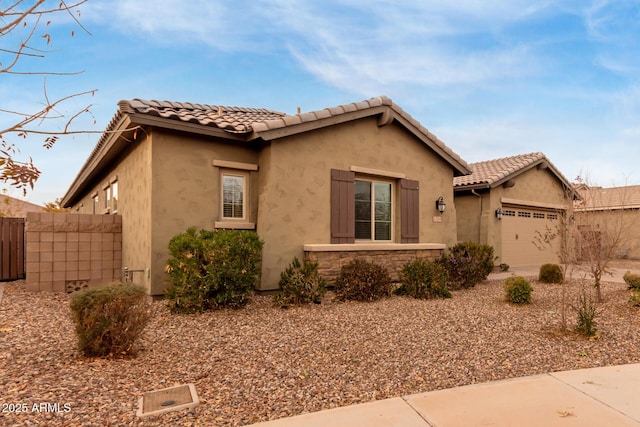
114 133
116 141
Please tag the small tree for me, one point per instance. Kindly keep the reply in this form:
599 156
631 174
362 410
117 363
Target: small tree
566 251
603 218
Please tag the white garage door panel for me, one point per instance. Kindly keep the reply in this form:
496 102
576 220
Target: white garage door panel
520 239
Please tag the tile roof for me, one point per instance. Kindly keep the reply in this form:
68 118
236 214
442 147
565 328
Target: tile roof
230 119
247 124
491 173
598 198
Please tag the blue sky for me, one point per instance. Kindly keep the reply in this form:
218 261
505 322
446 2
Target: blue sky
490 78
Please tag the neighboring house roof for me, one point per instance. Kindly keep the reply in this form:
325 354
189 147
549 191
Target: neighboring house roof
613 198
493 173
16 208
242 125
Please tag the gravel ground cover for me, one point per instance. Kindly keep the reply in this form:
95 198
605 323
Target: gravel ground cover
263 362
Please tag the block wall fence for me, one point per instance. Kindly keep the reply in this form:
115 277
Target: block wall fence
66 252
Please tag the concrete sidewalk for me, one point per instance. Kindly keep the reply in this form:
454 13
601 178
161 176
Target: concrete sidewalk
607 396
578 272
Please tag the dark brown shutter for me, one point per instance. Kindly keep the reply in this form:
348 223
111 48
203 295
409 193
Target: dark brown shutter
409 211
343 216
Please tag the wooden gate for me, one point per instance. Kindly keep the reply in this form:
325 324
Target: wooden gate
12 248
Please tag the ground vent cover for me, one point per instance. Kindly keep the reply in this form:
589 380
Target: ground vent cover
167 400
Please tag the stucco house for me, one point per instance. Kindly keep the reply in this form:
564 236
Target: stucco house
610 218
509 203
361 179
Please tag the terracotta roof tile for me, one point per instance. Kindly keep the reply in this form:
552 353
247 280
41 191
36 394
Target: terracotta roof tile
490 172
231 119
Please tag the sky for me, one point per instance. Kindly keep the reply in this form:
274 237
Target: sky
490 78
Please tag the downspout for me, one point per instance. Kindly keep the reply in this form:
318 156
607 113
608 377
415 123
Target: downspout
479 213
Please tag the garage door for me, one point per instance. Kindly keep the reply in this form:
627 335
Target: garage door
520 239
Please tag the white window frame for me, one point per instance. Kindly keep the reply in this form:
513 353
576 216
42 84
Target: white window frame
95 203
245 192
114 196
107 199
373 181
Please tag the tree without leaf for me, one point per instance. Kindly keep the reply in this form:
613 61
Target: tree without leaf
23 25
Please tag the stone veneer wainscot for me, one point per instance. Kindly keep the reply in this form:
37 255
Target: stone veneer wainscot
331 257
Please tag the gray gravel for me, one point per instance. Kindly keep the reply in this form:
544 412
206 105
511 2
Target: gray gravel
262 362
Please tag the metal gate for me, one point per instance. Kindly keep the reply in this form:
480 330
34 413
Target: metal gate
12 248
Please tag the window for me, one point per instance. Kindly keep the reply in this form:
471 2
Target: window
233 196
538 215
107 199
110 198
96 203
370 205
114 196
373 210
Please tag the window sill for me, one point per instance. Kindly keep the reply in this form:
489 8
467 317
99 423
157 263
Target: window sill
235 225
340 247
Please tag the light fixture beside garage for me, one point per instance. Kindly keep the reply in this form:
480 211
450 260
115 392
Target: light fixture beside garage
499 213
440 204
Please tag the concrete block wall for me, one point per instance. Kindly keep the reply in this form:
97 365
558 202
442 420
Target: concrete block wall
66 252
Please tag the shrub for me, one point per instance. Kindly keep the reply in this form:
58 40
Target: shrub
212 269
422 279
504 267
109 320
587 310
551 273
362 280
467 264
632 280
300 284
634 299
518 290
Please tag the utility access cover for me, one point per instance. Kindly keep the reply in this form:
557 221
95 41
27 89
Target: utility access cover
166 400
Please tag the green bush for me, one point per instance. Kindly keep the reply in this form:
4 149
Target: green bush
109 320
634 299
587 310
518 290
551 273
632 280
362 280
212 269
423 279
467 264
300 284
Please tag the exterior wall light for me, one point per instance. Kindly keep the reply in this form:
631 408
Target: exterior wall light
499 213
440 204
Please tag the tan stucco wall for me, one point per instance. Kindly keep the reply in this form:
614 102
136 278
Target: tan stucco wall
134 200
535 185
295 186
186 190
621 227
